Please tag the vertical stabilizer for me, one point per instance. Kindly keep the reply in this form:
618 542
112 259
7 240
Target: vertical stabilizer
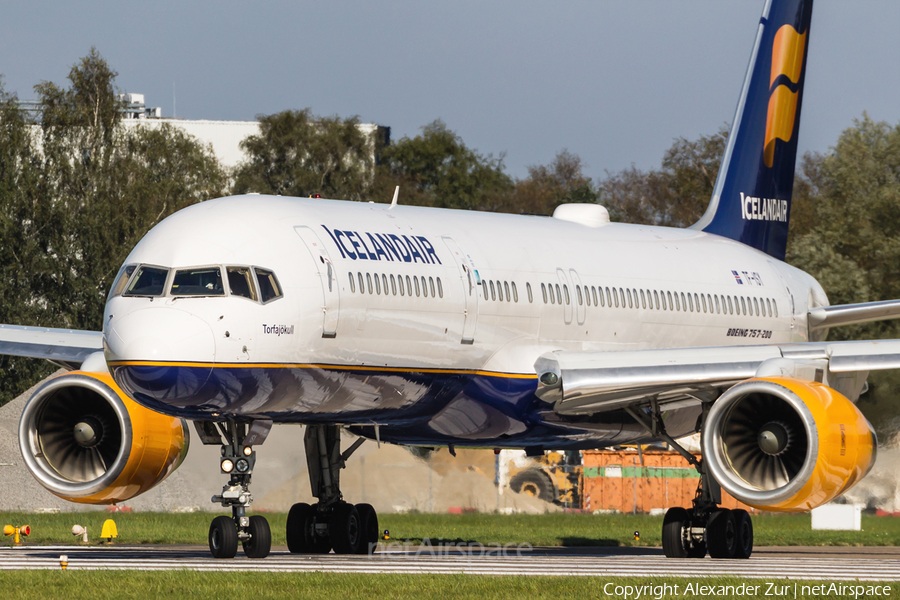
751 202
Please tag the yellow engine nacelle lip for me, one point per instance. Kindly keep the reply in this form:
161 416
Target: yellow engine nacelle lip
30 443
714 451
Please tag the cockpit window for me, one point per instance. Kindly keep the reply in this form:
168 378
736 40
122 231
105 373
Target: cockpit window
268 285
148 281
205 281
240 280
121 280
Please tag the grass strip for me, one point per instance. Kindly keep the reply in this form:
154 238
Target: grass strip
127 585
555 529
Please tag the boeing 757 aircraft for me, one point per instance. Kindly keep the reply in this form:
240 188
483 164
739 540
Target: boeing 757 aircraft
433 327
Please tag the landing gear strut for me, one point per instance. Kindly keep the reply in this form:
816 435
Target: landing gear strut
331 523
691 533
238 459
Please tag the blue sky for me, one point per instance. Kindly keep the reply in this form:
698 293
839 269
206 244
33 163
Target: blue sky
614 82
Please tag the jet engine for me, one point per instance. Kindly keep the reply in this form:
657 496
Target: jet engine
785 444
86 442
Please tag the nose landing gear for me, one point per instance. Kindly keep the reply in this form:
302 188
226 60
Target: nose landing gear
238 460
331 523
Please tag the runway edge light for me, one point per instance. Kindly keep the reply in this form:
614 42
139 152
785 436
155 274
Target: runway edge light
79 530
17 531
109 532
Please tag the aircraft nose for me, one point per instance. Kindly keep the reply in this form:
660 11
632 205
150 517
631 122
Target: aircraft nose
160 335
162 357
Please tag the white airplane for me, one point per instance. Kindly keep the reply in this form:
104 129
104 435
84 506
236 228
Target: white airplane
424 326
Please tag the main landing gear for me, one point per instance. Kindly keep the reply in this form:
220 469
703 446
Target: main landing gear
691 533
238 459
331 523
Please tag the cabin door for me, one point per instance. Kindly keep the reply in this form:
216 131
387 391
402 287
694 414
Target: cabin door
467 277
331 300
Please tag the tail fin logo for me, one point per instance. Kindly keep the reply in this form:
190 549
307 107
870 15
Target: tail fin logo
784 89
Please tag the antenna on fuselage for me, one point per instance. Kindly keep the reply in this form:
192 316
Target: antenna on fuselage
396 193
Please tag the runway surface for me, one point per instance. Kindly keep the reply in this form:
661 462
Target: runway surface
822 564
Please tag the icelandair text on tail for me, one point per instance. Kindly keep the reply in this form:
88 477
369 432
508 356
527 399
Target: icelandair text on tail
763 209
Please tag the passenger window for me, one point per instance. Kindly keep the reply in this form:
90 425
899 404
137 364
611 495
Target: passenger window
529 292
409 287
431 286
629 298
615 294
493 293
352 283
148 281
484 287
544 292
552 295
393 286
678 305
400 285
121 280
643 300
198 282
500 291
240 281
369 281
697 302
384 283
768 308
558 294
691 303
416 281
718 309
775 306
506 290
756 307
440 288
424 288
594 294
703 298
743 306
566 290
515 292
609 302
377 285
656 299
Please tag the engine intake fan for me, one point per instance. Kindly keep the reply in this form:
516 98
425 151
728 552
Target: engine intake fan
85 441
786 444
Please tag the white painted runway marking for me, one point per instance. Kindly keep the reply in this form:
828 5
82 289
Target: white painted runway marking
552 562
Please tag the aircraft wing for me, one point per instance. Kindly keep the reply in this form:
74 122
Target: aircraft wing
580 383
851 314
67 347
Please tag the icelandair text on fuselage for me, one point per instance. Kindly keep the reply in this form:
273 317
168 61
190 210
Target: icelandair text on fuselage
763 209
779 590
383 246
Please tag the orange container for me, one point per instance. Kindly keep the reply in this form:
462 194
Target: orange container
624 481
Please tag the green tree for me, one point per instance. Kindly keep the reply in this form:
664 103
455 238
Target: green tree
848 236
547 186
298 154
78 190
675 195
437 169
